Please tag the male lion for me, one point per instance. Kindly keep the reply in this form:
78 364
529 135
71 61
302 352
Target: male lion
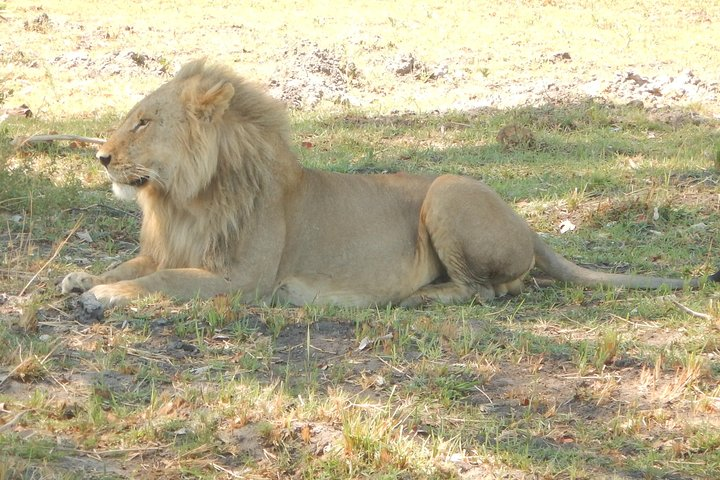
227 208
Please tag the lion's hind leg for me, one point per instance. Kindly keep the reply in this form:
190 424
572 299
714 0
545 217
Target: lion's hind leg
448 293
484 246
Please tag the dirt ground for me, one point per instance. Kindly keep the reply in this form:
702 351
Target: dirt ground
62 58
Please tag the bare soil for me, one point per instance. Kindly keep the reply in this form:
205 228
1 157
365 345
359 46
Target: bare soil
60 60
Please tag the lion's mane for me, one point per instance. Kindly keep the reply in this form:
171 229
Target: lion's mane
223 169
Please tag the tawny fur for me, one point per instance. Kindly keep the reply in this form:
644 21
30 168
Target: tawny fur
227 208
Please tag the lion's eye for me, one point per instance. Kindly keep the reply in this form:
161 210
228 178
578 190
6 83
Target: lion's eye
143 122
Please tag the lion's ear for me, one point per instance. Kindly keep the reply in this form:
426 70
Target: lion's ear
212 104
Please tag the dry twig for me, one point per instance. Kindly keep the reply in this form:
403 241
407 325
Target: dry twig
57 251
687 310
12 421
110 453
20 141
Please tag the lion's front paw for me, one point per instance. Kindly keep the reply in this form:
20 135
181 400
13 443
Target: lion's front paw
117 294
78 282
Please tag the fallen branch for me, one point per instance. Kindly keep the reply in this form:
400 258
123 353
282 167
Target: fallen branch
20 141
685 309
109 453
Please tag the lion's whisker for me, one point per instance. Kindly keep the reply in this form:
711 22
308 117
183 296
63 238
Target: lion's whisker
151 174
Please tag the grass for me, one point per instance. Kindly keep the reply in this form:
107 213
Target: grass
559 382
520 386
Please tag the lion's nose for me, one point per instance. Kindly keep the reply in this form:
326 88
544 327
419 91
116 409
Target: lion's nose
104 158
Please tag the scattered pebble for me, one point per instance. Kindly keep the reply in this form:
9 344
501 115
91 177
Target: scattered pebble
312 74
88 309
698 227
402 64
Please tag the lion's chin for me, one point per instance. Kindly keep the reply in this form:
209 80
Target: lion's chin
125 192
128 191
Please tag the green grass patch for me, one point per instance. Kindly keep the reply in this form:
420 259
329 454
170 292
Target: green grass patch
560 382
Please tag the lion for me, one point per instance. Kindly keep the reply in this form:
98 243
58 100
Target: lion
228 209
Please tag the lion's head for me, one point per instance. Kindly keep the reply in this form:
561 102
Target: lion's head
197 153
206 121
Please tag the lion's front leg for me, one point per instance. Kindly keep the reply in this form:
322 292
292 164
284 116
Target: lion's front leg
79 282
177 283
116 294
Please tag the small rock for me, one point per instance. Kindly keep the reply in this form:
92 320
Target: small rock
403 64
160 323
698 227
439 71
84 236
183 349
561 56
637 79
89 309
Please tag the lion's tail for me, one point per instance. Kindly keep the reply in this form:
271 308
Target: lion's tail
562 269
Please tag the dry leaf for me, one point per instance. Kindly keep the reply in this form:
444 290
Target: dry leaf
566 226
305 434
364 343
84 236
